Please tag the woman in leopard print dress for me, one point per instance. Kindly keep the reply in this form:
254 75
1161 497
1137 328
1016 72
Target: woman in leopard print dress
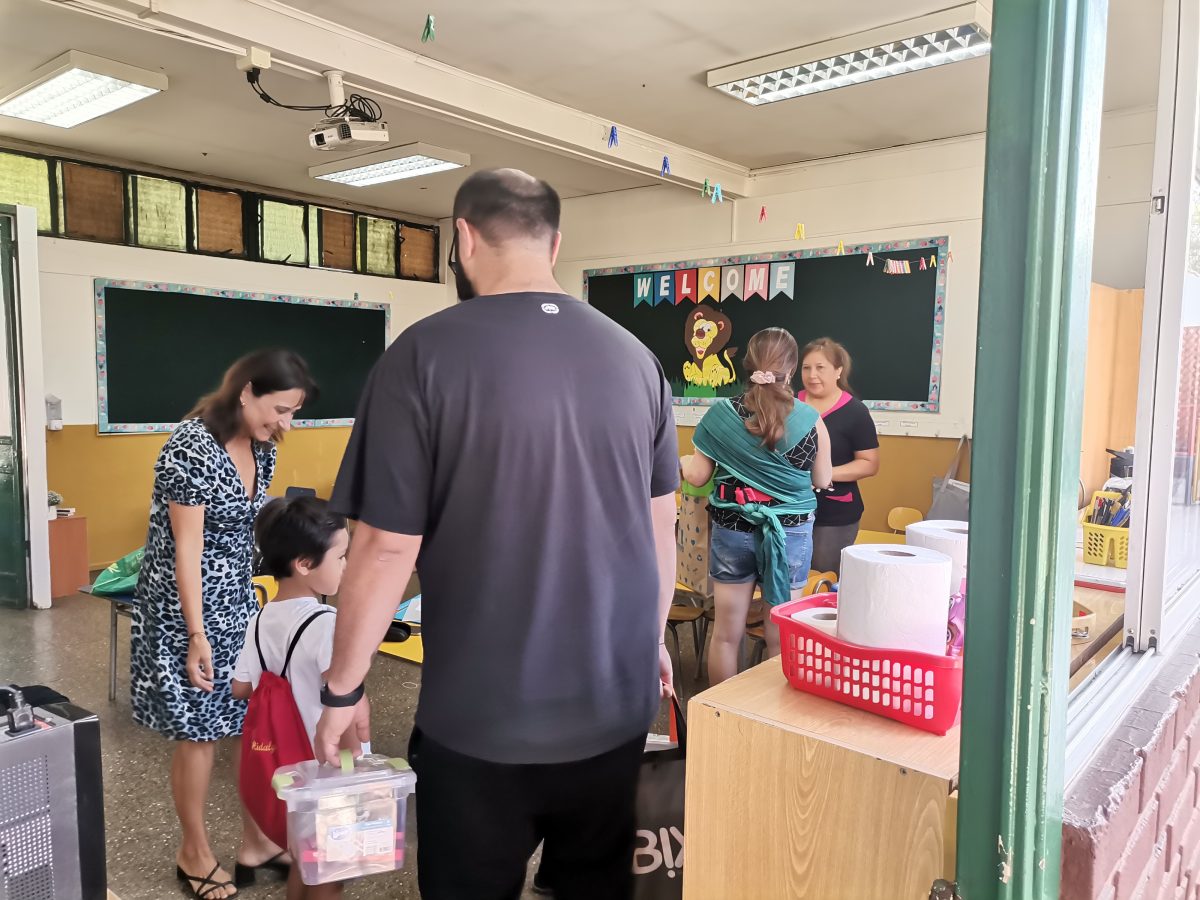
195 595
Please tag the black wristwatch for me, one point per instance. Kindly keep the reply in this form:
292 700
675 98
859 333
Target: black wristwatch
340 701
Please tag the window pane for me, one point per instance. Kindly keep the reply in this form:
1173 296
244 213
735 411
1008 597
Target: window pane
159 208
219 222
418 253
1183 530
281 233
93 203
337 239
26 181
376 246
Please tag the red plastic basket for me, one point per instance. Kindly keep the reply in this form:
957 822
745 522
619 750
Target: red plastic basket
919 689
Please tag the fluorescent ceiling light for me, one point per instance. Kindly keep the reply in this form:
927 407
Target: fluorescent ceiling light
392 164
77 87
951 35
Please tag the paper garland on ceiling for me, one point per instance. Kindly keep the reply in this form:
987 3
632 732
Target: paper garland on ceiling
428 34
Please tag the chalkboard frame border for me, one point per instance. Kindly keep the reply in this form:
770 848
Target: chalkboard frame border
940 243
104 426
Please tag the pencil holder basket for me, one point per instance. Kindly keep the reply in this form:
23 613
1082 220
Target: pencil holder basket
1104 545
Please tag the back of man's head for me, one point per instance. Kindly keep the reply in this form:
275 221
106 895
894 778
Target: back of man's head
509 205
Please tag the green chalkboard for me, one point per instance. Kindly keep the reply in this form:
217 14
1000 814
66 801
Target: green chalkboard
892 324
160 347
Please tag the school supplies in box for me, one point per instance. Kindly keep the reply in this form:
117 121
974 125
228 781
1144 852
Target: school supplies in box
923 690
348 821
1106 529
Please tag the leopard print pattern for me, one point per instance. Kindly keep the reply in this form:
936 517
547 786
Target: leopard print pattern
194 470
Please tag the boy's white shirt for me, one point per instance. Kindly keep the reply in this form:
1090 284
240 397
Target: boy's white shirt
310 661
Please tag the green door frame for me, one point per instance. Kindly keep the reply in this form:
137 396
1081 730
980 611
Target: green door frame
1044 106
14 545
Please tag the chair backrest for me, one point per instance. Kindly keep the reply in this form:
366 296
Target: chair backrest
903 516
294 492
820 582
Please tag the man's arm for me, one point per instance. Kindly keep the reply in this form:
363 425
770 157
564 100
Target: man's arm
662 515
377 572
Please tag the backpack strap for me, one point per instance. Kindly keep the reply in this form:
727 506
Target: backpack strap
262 662
287 660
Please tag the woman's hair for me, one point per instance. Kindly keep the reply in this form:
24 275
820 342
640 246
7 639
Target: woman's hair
837 355
267 372
773 352
290 529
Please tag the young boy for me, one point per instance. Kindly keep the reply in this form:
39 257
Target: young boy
302 545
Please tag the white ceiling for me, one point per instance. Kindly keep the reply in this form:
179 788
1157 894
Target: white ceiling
644 65
209 121
641 65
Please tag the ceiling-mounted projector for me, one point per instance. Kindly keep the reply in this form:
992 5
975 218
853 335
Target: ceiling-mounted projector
344 133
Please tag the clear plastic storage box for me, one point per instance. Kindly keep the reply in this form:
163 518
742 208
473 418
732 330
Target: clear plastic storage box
348 821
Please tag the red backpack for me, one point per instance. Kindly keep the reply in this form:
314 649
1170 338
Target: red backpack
273 735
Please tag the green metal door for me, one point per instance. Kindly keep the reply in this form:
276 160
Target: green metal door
14 545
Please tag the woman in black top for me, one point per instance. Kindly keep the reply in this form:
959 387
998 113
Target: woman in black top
854 446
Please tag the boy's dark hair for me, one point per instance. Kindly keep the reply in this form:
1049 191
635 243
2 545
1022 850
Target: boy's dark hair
290 529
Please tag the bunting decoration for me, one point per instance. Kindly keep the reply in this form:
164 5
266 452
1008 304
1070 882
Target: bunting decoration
717 196
666 167
428 34
612 137
762 214
800 231
767 280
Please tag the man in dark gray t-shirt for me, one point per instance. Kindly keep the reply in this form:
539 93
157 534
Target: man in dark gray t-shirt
520 450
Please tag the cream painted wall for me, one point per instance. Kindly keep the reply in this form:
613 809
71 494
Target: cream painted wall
908 192
68 324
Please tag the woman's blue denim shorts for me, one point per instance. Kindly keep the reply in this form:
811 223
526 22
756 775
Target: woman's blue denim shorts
732 559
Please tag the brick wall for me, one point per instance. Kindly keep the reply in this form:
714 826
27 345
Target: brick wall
1131 823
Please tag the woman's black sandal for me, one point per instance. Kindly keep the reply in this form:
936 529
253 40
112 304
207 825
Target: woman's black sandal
244 875
203 892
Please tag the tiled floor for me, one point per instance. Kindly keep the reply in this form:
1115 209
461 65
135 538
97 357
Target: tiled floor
67 648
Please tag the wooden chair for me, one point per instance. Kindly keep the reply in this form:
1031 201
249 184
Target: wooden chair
687 609
818 582
903 516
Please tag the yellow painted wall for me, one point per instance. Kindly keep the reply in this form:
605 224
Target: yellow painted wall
108 478
907 467
1110 380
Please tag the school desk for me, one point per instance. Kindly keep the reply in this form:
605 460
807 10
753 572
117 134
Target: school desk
791 795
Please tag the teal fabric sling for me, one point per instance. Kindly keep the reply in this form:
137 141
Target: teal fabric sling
741 457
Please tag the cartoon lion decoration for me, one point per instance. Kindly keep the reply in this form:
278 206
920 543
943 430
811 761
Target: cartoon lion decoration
706 332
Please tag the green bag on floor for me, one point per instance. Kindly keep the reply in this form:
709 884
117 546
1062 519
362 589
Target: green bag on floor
121 577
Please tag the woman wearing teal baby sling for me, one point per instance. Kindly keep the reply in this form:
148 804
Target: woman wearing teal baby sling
767 450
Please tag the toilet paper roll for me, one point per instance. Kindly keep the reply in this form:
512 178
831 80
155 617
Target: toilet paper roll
949 537
894 596
820 617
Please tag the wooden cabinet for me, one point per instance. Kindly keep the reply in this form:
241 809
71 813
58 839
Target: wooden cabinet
68 556
792 797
